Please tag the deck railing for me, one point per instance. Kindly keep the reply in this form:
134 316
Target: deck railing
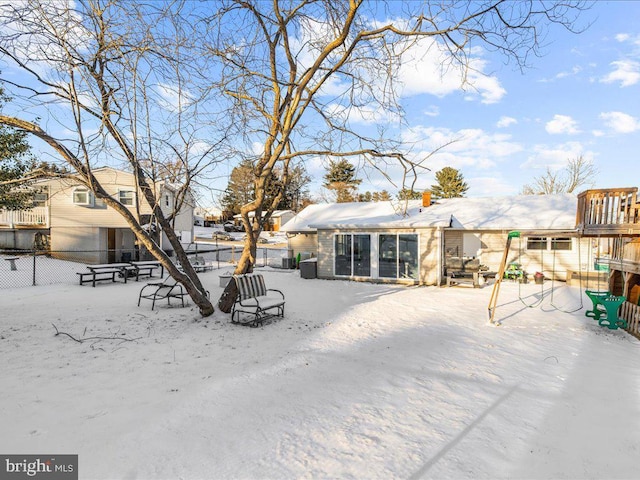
37 217
631 313
613 211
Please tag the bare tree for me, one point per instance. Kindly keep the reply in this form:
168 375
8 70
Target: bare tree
578 173
299 72
116 78
289 76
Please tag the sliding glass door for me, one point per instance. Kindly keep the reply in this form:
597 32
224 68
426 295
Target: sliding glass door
353 255
398 256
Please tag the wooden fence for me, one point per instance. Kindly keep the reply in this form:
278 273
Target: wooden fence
631 313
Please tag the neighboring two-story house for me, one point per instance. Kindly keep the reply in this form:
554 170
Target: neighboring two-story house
76 225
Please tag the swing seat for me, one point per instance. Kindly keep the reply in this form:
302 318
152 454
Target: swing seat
598 308
612 304
514 272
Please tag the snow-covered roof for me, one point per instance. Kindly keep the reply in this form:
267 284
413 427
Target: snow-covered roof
519 212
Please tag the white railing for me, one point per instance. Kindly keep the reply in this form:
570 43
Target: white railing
37 216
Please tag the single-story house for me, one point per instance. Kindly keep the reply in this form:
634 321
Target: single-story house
81 227
278 218
415 241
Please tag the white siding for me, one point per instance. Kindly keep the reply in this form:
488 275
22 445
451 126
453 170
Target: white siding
304 242
554 264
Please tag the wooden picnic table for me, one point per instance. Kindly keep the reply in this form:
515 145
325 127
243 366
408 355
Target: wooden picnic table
108 271
147 266
105 271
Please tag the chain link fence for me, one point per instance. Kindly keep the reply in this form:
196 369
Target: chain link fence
25 268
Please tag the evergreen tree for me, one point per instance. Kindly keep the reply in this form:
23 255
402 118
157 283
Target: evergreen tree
382 196
365 197
240 189
296 194
15 163
341 178
408 194
450 184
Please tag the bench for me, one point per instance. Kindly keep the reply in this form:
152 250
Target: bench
605 309
598 308
255 300
169 288
144 271
457 278
200 265
12 262
98 275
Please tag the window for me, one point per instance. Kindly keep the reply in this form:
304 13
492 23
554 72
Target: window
398 256
408 256
343 254
561 243
388 256
352 255
536 243
362 255
544 243
81 196
126 197
40 199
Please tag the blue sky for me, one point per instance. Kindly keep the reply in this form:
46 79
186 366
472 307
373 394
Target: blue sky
581 98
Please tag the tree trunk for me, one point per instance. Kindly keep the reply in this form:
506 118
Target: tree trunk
245 265
228 297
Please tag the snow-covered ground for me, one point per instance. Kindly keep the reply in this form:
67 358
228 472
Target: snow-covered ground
205 233
356 381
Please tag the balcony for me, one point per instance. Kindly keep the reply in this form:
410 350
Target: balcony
609 212
37 217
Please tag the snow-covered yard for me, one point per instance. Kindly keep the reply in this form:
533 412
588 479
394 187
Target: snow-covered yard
357 381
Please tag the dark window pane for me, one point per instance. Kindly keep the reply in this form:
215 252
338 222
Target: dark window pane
408 253
343 254
536 243
362 255
561 244
388 256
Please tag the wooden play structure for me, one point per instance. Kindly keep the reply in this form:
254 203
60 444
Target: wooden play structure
612 215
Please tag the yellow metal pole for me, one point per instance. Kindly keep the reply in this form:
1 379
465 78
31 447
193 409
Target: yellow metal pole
496 286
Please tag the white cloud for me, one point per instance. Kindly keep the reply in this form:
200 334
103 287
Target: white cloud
627 72
489 187
555 156
574 71
362 114
619 122
432 111
488 86
627 38
172 97
469 148
426 67
562 124
505 122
